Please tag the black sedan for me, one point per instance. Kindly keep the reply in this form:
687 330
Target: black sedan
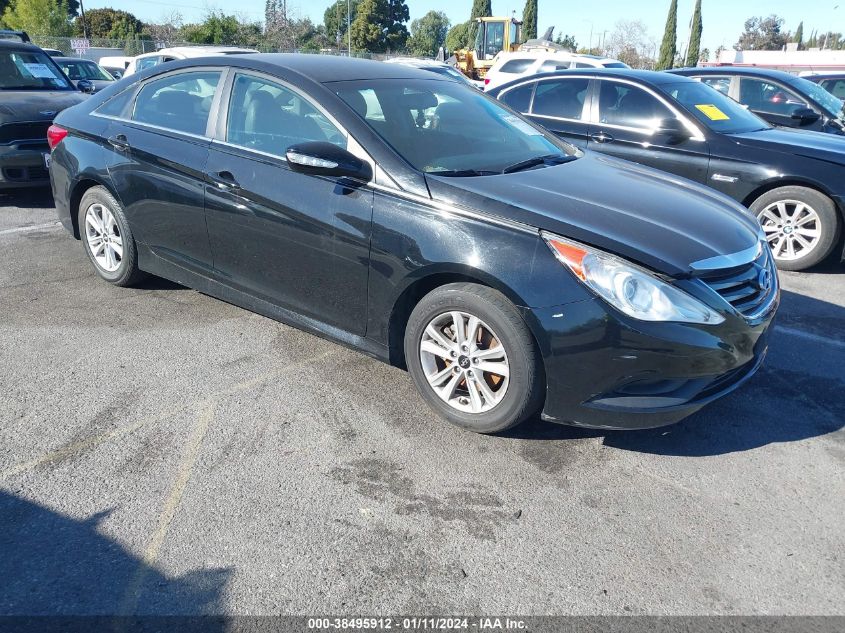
426 225
792 181
32 91
776 96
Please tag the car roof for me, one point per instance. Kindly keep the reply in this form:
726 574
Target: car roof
643 76
18 46
318 68
65 58
736 70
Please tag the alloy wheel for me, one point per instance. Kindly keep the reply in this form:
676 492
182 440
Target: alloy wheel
464 361
792 228
103 236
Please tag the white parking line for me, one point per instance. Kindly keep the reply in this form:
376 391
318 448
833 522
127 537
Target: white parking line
816 338
26 229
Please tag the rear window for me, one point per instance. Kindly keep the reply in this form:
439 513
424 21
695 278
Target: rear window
515 66
615 65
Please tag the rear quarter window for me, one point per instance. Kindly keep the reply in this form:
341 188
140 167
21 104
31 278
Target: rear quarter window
519 98
515 66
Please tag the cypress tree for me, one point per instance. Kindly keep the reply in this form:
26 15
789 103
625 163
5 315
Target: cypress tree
694 50
668 47
799 35
529 20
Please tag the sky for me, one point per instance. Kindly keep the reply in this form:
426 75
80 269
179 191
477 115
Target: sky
723 19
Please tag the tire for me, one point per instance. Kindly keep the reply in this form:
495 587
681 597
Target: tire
820 225
118 268
504 343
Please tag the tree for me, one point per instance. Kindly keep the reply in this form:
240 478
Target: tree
428 34
670 35
480 9
567 41
108 23
630 43
458 37
39 17
762 34
694 49
166 30
335 18
799 35
216 28
704 56
379 26
529 20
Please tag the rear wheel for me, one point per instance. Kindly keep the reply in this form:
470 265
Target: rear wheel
107 238
802 225
473 359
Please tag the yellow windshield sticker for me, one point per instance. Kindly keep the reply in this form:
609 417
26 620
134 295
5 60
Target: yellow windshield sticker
712 112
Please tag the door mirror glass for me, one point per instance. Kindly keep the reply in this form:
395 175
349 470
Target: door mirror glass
805 116
674 128
326 159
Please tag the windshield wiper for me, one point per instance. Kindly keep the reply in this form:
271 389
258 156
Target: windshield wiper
458 173
550 159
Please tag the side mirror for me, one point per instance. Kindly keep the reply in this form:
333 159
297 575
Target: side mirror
804 116
86 86
674 128
326 159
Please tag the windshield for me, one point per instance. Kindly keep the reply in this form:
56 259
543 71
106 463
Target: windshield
835 107
30 70
713 109
440 127
77 70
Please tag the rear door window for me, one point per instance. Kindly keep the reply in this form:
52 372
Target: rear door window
178 102
519 98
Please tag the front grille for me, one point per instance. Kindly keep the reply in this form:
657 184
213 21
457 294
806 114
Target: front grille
26 131
745 287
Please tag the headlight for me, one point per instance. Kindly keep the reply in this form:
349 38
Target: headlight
629 288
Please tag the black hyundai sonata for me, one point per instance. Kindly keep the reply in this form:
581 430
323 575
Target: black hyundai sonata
426 225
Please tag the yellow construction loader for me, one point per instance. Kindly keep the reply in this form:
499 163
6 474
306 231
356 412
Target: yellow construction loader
494 36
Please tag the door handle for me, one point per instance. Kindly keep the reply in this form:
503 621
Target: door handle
224 180
119 142
602 137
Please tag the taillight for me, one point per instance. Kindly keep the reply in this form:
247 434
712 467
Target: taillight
55 135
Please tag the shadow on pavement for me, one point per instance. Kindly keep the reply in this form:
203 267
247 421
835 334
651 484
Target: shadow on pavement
35 198
797 395
53 565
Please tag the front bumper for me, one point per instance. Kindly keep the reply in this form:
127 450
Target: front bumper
606 371
22 165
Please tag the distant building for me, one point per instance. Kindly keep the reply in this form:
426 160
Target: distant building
813 60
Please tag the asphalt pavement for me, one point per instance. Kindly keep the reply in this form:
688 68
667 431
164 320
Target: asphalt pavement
163 452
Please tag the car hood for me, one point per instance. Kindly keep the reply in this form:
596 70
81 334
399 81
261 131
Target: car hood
659 220
36 105
803 143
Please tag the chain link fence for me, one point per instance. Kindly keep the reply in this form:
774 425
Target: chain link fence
102 47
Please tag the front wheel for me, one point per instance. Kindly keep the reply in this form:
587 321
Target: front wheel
473 359
802 225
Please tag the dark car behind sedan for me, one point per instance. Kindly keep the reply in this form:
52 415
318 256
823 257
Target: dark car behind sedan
791 180
32 91
85 74
778 97
833 82
428 226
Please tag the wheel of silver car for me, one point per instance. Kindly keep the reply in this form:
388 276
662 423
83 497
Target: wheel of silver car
103 237
801 225
464 362
107 238
473 358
